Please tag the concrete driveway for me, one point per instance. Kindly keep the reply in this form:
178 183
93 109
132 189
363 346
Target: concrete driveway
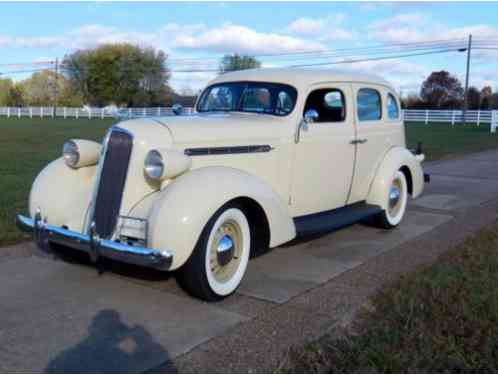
61 316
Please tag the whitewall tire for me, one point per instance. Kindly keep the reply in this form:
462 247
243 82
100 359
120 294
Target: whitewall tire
219 260
396 201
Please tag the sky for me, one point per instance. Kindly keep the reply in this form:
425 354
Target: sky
205 31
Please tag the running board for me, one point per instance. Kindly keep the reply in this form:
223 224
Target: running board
334 219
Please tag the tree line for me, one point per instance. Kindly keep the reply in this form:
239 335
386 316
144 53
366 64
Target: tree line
126 75
441 90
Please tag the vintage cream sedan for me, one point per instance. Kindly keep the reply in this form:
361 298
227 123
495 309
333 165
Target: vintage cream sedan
268 155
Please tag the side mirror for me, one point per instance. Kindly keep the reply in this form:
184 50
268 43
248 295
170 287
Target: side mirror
177 109
310 116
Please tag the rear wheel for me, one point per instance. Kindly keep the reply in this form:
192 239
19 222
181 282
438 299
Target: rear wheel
397 199
219 260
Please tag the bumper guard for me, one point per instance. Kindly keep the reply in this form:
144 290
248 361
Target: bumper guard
93 245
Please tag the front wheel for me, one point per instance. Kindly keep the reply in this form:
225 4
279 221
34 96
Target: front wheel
397 198
219 260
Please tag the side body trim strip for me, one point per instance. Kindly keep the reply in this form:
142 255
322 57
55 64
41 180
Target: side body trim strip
251 149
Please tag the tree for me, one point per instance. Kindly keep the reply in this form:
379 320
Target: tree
16 96
230 63
121 74
493 101
412 102
473 98
40 90
441 90
5 85
486 94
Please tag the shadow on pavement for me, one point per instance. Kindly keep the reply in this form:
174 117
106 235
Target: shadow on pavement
110 347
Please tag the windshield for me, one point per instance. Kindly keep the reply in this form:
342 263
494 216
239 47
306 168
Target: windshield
255 97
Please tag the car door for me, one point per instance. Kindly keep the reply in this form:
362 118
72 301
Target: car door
324 155
374 136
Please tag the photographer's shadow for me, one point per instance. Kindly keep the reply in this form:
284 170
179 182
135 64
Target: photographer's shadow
111 347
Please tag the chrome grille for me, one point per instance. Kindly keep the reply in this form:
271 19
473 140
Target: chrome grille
112 180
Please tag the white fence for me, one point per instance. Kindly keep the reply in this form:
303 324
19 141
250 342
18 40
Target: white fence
452 116
410 115
89 113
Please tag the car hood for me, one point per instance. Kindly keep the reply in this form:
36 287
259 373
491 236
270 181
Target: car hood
224 128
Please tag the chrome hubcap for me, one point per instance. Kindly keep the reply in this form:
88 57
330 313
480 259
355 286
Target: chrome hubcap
394 195
226 250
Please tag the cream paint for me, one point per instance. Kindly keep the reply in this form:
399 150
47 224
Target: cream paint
175 163
89 152
178 209
395 158
324 150
62 194
180 212
381 135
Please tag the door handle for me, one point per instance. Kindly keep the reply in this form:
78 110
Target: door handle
358 141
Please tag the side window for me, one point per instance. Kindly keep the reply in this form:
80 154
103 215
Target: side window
369 105
329 103
392 107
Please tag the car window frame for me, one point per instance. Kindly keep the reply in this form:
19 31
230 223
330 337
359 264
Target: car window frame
293 91
396 119
329 89
381 105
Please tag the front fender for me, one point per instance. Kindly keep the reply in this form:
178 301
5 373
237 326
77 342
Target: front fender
62 194
180 211
395 159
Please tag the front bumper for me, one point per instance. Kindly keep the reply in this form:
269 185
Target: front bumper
95 246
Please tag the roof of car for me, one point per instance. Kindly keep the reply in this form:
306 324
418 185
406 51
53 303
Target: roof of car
299 77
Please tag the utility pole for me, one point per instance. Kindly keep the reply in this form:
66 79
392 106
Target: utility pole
466 99
56 86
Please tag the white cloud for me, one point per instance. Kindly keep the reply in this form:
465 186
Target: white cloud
225 38
402 74
419 27
324 29
403 28
193 81
242 39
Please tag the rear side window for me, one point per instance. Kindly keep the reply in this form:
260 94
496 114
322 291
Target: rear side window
369 105
392 107
329 103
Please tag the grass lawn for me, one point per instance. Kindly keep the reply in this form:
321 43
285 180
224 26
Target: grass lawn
444 141
439 319
27 145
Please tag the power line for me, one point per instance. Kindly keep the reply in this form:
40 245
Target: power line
353 55
433 44
350 61
376 58
29 63
24 71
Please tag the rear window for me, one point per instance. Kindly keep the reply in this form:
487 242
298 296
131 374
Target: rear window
392 107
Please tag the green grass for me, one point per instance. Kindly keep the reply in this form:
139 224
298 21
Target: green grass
442 318
27 145
444 141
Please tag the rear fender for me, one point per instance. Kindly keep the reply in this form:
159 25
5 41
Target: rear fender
395 159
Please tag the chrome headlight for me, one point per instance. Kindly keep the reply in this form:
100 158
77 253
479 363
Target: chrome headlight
71 153
78 153
154 165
